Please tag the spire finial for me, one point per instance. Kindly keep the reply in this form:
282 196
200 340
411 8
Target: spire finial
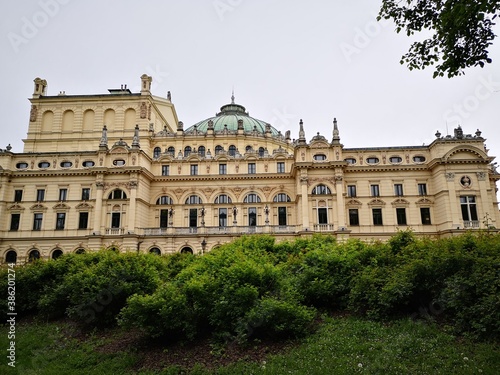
336 134
232 97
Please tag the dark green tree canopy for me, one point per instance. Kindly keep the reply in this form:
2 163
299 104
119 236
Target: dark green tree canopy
462 32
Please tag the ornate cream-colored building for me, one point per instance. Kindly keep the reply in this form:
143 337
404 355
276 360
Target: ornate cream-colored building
119 170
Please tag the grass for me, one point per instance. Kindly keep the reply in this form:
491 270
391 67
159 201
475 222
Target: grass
342 345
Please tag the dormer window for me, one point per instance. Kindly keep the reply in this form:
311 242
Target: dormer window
395 159
319 157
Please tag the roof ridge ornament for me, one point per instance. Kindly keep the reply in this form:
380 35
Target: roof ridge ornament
232 97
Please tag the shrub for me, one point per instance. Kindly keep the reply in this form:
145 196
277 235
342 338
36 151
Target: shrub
275 319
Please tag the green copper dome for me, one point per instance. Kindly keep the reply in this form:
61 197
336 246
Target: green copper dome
227 120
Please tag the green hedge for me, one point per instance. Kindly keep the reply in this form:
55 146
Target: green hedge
255 287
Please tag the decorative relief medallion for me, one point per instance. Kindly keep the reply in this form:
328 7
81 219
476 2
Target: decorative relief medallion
450 176
465 181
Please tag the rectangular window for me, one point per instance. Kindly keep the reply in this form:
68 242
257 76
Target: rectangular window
281 215
252 217
37 221
63 195
425 214
60 219
193 217
375 191
18 195
251 168
40 195
163 218
165 170
14 221
468 205
353 217
398 190
280 167
85 194
377 216
83 220
401 216
115 220
222 168
422 189
222 217
194 169
322 216
351 191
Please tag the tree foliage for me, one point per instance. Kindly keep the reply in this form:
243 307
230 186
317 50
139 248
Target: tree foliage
462 31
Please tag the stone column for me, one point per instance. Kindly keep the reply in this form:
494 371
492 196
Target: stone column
98 206
132 206
486 204
455 214
340 202
305 202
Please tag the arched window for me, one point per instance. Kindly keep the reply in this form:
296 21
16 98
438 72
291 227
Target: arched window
201 151
218 149
194 199
33 255
261 151
11 256
156 152
165 199
155 251
187 151
321 190
80 251
372 160
117 194
171 150
252 198
186 250
223 198
57 253
44 164
248 148
281 197
232 150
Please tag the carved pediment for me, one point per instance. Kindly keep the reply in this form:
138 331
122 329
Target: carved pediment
353 202
424 202
16 207
376 202
400 202
38 207
61 206
84 206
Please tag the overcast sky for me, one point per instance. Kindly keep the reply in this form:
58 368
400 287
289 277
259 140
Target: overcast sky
286 60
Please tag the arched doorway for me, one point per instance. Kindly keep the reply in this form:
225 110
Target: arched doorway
33 255
155 251
11 256
57 253
186 250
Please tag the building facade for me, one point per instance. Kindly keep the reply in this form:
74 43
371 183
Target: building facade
119 170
